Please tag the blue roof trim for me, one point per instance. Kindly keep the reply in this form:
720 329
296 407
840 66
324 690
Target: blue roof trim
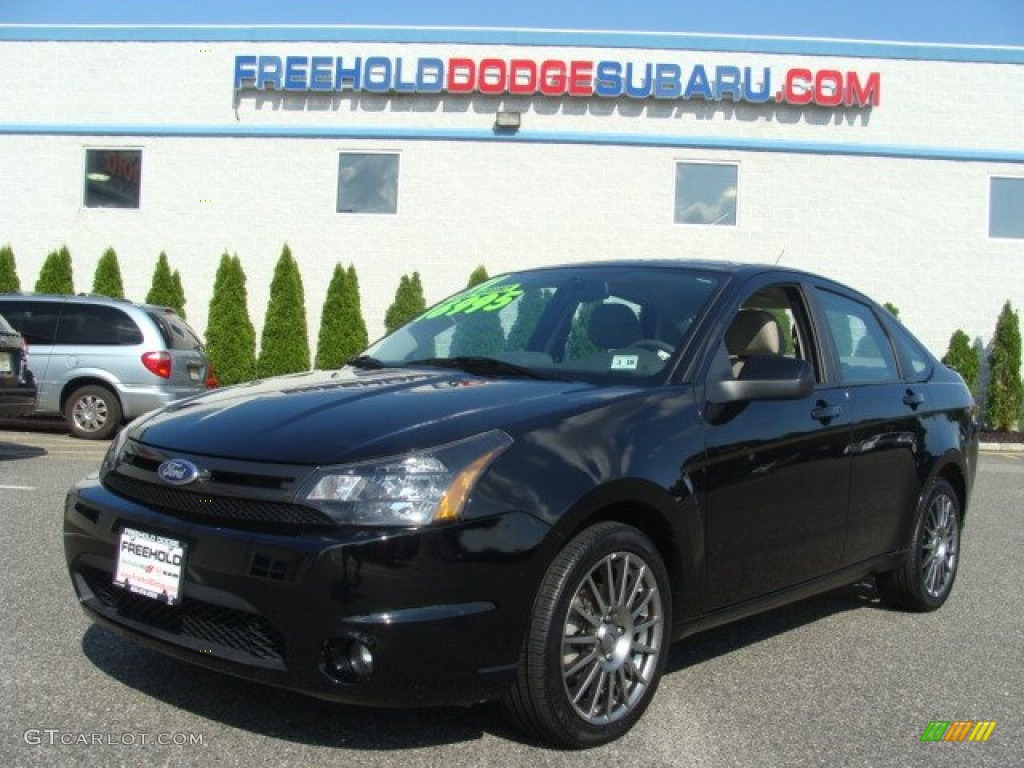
524 136
531 37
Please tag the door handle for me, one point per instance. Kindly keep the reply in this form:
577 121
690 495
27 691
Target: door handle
912 398
824 412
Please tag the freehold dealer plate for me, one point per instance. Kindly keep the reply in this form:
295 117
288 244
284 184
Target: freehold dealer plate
150 565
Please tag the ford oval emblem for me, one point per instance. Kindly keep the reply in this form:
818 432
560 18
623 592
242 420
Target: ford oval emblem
178 472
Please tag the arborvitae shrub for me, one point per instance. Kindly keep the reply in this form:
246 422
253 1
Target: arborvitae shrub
9 282
342 327
230 337
963 357
1005 390
408 304
284 347
107 279
179 294
56 274
166 290
477 276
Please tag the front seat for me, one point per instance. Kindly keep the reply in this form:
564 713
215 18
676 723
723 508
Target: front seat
753 332
613 326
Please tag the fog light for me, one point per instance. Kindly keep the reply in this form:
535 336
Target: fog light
349 661
360 659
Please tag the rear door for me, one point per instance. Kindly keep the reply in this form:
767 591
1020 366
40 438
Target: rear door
888 429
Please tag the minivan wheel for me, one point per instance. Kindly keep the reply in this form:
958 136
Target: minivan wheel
925 579
597 641
93 412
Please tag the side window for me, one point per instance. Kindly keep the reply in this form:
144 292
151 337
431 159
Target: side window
916 363
95 325
772 321
35 320
861 344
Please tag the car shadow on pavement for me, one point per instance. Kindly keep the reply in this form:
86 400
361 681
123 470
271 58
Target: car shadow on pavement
12 451
291 716
730 637
283 714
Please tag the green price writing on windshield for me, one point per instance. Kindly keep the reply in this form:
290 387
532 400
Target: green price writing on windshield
486 298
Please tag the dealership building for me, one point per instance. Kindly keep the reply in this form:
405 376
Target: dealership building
897 168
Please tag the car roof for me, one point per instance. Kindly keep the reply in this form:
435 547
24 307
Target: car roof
87 298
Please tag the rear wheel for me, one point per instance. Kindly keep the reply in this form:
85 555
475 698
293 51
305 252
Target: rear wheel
93 412
597 641
925 579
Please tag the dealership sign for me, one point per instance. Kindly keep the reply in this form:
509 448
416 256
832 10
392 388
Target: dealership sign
558 77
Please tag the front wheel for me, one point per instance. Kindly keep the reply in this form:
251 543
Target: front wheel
93 412
597 641
925 579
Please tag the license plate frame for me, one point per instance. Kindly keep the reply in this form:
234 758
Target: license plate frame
150 565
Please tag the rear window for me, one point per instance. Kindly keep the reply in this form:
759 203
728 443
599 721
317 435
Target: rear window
6 327
96 325
175 331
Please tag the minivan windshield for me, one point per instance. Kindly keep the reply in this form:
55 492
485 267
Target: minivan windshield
592 324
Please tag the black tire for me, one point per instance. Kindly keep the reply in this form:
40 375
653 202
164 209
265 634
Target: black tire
93 412
925 578
599 633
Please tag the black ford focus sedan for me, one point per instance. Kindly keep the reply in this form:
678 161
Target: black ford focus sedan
529 491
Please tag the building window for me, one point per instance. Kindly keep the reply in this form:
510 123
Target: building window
1006 208
706 194
367 183
113 178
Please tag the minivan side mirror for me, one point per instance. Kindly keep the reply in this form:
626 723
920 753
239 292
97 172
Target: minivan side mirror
764 377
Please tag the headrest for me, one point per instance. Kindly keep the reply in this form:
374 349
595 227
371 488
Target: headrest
753 332
613 326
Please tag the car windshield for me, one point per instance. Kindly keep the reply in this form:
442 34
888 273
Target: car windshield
614 323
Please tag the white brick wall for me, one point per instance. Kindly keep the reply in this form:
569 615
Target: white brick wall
911 231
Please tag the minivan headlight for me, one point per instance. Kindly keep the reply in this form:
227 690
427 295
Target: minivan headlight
414 489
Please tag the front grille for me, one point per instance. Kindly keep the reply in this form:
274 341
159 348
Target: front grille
207 624
246 480
206 508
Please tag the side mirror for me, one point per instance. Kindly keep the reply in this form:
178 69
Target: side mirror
764 377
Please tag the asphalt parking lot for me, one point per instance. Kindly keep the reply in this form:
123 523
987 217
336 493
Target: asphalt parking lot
833 680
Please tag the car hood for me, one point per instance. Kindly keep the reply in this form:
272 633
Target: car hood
331 417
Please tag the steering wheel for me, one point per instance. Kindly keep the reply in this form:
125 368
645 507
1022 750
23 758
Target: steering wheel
655 345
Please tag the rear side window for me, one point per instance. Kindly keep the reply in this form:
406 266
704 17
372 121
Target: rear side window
97 324
36 321
861 344
175 332
917 364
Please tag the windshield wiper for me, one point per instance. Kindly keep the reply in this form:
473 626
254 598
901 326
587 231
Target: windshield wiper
486 366
366 362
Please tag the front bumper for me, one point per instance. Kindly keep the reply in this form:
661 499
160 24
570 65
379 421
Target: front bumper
443 610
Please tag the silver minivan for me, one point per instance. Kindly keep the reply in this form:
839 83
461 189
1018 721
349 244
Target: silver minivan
100 361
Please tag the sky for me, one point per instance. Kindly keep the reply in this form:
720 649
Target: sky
964 22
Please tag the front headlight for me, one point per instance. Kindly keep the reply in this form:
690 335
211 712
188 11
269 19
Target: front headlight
415 489
114 451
